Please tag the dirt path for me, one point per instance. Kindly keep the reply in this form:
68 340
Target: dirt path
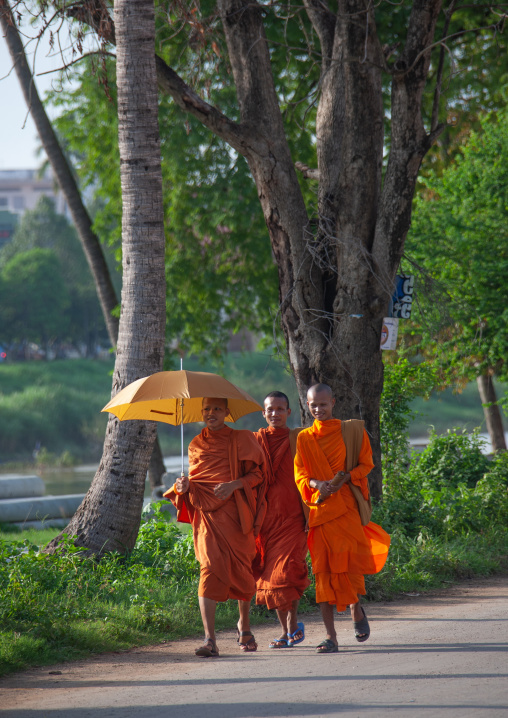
443 654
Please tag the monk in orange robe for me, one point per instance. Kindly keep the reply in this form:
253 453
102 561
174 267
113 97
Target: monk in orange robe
280 568
342 550
220 500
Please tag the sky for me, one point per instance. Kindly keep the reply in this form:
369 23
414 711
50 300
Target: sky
18 139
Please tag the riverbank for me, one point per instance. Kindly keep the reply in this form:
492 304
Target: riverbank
50 412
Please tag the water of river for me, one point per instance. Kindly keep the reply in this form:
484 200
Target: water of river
77 480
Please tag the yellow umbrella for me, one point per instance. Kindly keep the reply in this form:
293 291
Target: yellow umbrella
175 397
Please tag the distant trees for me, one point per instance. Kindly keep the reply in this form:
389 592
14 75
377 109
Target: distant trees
80 317
34 299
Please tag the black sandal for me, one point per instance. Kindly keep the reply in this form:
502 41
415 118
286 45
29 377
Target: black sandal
208 649
362 628
327 646
251 644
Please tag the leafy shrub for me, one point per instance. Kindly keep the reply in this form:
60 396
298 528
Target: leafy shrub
450 489
452 459
403 382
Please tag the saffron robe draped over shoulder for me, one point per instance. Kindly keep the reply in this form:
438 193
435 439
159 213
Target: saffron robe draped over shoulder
223 531
280 568
342 550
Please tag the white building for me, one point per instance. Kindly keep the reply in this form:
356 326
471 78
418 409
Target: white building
21 189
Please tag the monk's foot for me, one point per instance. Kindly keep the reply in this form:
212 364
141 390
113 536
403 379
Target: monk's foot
327 646
281 642
247 642
298 635
208 649
362 628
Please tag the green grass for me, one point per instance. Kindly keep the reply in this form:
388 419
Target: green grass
38 537
64 607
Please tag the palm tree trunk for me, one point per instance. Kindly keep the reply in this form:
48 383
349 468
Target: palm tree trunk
108 518
65 178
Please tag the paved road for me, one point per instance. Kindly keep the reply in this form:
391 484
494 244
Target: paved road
440 655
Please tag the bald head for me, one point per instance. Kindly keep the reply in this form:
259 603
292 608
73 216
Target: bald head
320 388
320 402
214 411
214 400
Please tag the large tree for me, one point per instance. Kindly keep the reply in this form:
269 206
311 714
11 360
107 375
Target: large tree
337 254
108 518
336 261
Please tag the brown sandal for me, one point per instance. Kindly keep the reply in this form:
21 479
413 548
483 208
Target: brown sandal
208 649
251 644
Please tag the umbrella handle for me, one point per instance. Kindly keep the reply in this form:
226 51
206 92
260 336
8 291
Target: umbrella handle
181 419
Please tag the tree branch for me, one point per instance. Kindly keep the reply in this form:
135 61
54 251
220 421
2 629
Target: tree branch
323 21
234 134
439 76
308 172
95 14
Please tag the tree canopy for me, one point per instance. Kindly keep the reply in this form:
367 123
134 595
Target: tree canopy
34 298
353 97
459 237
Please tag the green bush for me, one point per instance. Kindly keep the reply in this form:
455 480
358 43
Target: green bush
403 382
449 489
452 459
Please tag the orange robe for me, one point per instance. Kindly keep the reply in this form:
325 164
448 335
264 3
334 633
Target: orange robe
341 549
280 568
223 531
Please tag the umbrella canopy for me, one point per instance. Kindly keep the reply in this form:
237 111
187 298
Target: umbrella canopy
175 397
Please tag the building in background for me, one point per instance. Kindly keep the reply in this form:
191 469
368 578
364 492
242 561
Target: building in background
21 189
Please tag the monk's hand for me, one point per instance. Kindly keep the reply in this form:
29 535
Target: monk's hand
323 487
182 484
224 491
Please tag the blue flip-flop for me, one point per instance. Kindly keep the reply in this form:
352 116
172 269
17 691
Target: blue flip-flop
291 640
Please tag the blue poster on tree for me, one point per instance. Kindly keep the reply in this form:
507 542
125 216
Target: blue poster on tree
402 299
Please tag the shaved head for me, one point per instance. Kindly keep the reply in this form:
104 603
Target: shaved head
318 388
214 411
215 400
320 401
